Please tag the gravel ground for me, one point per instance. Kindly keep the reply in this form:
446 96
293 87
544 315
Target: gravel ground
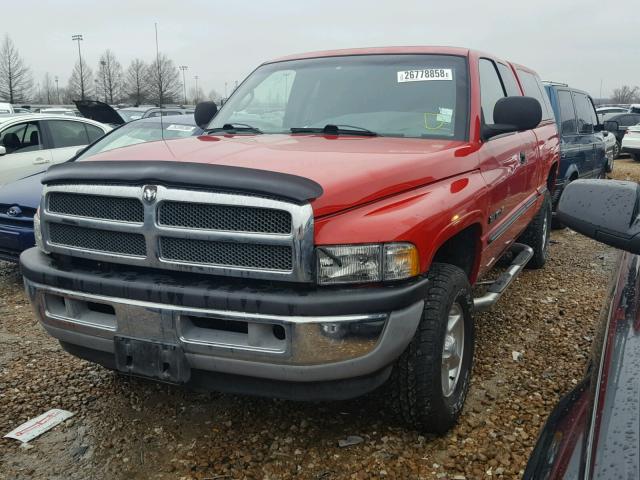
135 429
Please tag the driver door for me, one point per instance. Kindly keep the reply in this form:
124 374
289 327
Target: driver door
25 152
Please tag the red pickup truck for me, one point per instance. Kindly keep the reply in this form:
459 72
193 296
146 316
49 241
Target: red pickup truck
321 239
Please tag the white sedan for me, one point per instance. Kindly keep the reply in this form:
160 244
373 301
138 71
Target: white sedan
30 143
631 142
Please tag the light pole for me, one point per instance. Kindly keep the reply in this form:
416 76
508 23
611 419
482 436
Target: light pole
57 90
184 83
225 91
197 92
103 64
78 38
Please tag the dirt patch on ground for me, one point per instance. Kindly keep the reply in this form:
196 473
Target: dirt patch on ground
134 429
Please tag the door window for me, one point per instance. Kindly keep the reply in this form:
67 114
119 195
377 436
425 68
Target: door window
628 120
508 80
93 132
568 122
490 89
585 113
67 133
23 137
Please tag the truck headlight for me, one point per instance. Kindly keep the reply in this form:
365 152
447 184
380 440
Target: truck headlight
37 231
366 263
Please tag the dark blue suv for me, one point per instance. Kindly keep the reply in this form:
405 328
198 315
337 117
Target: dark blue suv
582 147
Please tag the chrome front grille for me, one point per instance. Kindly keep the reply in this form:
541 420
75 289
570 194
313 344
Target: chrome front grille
179 229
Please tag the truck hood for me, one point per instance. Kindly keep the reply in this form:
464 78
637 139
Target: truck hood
351 170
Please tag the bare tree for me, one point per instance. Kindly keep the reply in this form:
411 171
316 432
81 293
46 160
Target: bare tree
74 89
15 77
110 76
135 82
48 89
164 81
625 94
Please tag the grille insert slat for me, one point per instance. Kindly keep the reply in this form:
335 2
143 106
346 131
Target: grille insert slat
97 206
122 243
263 257
224 217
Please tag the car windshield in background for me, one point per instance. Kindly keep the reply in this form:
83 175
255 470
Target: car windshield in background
130 115
139 132
422 96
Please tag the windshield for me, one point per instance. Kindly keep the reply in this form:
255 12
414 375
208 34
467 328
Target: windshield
129 115
139 132
423 96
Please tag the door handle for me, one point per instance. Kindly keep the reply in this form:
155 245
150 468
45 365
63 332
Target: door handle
40 160
523 158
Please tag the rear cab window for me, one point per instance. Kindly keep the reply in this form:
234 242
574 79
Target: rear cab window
532 87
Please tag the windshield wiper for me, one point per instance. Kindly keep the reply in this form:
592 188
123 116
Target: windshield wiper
330 129
235 127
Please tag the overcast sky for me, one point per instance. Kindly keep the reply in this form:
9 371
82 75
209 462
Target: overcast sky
578 42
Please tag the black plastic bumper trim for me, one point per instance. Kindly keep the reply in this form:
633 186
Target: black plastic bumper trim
223 293
201 380
187 174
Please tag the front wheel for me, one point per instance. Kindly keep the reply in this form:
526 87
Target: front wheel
538 233
430 380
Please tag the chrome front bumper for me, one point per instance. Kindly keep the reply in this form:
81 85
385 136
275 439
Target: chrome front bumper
276 347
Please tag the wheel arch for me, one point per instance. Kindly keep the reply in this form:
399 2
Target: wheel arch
454 250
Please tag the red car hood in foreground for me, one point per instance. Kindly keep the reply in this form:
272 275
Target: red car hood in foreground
351 170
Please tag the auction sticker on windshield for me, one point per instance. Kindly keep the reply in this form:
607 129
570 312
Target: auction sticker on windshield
425 75
181 128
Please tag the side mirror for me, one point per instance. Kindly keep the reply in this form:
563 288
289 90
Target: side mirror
513 114
610 125
3 150
605 210
205 111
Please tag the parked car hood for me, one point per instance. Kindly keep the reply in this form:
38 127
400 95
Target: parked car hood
351 170
99 111
25 192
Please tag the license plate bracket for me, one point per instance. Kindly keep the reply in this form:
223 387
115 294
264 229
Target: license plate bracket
162 361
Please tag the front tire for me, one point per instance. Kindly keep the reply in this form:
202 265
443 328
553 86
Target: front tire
538 233
430 380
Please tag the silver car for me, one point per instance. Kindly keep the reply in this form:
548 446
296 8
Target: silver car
29 143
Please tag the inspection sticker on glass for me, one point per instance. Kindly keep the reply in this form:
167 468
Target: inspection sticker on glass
444 115
181 128
425 75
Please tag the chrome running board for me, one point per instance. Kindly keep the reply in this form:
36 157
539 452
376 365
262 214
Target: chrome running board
521 256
